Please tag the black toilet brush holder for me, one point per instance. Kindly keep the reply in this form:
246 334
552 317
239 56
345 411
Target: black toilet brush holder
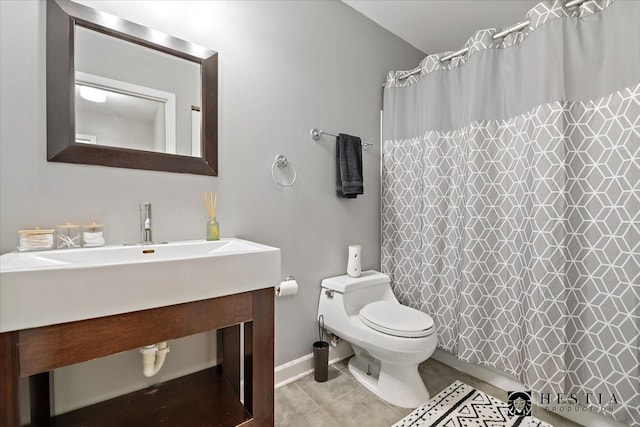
321 355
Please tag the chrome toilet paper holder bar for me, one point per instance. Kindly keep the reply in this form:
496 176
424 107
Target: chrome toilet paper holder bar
277 287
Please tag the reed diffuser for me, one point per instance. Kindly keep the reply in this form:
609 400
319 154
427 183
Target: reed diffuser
213 228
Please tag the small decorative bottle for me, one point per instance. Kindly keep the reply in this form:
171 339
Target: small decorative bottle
213 229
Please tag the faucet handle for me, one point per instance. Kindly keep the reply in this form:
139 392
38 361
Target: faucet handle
145 210
147 219
145 223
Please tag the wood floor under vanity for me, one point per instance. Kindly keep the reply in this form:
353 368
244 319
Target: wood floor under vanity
207 398
185 401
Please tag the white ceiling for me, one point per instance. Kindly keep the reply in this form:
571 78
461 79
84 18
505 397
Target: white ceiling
435 26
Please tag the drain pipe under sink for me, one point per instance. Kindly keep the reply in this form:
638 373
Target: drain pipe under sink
153 358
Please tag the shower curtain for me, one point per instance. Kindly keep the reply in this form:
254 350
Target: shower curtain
511 201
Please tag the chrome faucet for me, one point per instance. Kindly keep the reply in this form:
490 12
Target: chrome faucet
145 224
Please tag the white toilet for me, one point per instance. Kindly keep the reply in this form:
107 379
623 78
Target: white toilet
389 340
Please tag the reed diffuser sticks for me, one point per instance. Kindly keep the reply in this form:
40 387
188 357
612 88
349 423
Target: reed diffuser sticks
209 200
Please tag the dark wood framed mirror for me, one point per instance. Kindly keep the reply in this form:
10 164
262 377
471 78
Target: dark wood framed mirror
64 144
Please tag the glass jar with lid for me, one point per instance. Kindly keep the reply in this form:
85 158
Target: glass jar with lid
93 235
36 239
68 236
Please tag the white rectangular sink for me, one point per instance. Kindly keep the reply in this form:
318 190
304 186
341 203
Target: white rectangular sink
49 287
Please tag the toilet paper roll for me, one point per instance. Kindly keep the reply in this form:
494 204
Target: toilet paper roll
288 287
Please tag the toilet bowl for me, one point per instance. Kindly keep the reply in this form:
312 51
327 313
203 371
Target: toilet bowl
389 340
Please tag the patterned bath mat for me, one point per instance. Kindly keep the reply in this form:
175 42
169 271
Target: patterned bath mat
462 405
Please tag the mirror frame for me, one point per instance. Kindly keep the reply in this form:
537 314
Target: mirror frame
62 17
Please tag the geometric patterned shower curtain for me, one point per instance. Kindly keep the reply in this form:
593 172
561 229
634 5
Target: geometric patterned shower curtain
520 234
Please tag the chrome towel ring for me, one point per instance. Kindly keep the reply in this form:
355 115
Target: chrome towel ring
281 162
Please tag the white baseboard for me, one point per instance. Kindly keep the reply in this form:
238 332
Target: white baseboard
505 381
298 368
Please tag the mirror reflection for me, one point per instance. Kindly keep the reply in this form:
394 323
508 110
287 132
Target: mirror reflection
106 116
130 96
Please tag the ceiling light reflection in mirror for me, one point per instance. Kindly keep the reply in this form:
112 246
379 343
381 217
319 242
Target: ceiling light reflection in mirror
92 94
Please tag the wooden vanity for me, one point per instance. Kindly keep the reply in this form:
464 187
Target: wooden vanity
206 398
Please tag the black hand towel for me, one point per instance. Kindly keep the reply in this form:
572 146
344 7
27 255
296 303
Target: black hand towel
349 182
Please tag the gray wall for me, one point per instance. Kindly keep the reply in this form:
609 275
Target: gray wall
285 67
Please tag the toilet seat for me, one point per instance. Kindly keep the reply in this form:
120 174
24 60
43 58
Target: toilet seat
395 319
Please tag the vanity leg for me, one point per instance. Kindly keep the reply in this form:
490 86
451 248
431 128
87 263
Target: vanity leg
231 356
40 400
9 395
263 359
248 366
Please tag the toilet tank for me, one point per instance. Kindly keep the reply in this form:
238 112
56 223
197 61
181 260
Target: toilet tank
356 292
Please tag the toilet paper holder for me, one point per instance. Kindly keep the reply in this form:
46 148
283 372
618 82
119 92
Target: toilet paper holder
277 288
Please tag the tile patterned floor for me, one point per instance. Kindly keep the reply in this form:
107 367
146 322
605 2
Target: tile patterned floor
342 402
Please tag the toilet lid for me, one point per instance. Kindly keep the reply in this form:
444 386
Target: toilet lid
395 319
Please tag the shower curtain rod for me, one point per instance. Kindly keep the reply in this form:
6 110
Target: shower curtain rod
496 36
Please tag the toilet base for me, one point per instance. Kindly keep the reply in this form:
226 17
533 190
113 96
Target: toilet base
400 385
